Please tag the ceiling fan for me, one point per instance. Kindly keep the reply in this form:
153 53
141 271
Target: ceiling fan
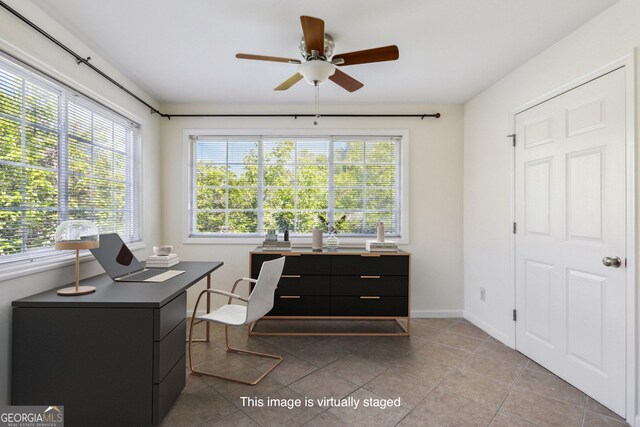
316 48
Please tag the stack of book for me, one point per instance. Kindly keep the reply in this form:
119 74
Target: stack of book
162 261
386 246
276 245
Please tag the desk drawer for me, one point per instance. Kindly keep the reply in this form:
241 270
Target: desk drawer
369 306
300 305
370 264
294 264
169 316
370 285
168 351
165 393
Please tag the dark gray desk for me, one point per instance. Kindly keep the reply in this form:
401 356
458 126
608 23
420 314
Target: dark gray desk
115 357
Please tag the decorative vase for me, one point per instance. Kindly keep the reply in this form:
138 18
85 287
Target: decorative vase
316 239
380 231
332 241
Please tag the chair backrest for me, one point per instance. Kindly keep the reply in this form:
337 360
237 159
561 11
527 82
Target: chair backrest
261 298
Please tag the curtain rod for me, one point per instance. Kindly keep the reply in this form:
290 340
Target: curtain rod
295 116
81 60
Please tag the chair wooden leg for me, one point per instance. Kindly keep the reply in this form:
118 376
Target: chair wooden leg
234 350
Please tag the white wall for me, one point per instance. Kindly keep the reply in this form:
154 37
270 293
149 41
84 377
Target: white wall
21 41
435 192
607 37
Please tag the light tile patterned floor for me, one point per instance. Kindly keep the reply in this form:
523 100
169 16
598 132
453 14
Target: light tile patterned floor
448 373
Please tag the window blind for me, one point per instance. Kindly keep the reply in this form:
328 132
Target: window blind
62 156
245 186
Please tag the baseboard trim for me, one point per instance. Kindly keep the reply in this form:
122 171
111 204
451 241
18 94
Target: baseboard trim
424 314
503 338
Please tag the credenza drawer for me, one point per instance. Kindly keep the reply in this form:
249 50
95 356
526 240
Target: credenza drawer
368 305
295 264
166 392
169 316
168 351
300 305
370 285
370 264
295 284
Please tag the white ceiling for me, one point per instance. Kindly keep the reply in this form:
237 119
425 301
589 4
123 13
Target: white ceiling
450 50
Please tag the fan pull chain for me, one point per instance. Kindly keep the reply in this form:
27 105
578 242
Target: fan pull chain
317 102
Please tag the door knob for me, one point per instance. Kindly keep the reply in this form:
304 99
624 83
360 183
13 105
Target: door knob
612 261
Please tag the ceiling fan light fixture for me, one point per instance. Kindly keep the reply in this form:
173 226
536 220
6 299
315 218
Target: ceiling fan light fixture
316 71
316 48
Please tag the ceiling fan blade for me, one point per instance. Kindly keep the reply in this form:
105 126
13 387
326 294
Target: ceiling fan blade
266 58
290 82
345 81
379 54
313 30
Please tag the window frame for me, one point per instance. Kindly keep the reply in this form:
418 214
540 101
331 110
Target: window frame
22 264
187 166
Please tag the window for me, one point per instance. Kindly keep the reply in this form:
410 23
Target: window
62 156
243 186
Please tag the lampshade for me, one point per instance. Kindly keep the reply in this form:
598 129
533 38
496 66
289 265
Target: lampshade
77 234
316 71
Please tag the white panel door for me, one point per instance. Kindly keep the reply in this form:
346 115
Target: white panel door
570 215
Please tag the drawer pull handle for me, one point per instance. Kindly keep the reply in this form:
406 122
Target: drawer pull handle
291 276
369 277
370 255
291 254
290 296
369 297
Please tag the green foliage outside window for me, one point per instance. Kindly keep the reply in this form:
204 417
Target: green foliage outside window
40 185
295 188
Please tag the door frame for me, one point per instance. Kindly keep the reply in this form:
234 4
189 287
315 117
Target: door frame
628 63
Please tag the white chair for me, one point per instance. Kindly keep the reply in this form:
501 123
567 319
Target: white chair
259 303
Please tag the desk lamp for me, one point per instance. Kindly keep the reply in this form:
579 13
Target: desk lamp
77 234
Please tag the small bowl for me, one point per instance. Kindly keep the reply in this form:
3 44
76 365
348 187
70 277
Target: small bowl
164 250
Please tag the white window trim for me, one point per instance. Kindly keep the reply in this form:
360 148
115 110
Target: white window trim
295 241
25 267
64 258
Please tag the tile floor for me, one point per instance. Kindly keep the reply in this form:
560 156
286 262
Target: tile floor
448 373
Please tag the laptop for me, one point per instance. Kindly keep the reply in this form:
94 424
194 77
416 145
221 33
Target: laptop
122 265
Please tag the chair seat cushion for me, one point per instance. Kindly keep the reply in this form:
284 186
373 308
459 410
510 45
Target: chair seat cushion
230 314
